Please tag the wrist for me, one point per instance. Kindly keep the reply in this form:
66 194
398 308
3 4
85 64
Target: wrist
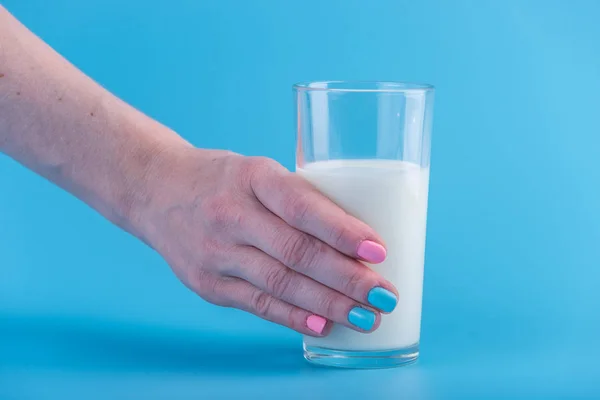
148 169
172 169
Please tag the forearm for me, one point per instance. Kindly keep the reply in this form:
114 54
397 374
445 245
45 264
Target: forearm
61 124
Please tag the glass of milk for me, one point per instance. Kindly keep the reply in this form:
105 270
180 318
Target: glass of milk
366 146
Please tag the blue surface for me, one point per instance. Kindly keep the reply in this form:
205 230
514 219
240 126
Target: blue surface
512 274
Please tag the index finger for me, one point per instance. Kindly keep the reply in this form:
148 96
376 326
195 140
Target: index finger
301 205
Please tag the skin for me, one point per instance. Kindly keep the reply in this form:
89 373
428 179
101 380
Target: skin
239 231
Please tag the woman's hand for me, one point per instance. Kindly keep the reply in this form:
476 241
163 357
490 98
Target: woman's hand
244 232
239 231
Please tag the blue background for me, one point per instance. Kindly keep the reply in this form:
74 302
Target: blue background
512 272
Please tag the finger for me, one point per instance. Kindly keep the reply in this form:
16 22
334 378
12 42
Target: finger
283 283
311 257
302 206
248 297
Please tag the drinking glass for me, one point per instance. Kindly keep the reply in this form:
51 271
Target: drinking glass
366 146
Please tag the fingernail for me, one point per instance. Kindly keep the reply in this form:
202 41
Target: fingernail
362 318
316 323
382 298
371 252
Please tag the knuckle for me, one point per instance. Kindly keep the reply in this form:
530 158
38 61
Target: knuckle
216 209
296 319
351 281
328 304
278 281
261 303
300 251
208 288
258 163
220 212
210 255
252 167
262 163
237 217
296 209
206 251
339 235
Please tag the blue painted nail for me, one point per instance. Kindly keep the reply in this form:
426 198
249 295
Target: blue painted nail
383 299
362 318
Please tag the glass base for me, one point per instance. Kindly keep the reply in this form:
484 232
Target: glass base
361 359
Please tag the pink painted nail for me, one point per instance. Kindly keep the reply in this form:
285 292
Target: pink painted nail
371 252
316 323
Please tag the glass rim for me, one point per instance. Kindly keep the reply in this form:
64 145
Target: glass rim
364 86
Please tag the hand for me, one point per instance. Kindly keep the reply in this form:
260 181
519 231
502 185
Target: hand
244 232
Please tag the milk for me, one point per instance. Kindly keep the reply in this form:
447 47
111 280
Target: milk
391 197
